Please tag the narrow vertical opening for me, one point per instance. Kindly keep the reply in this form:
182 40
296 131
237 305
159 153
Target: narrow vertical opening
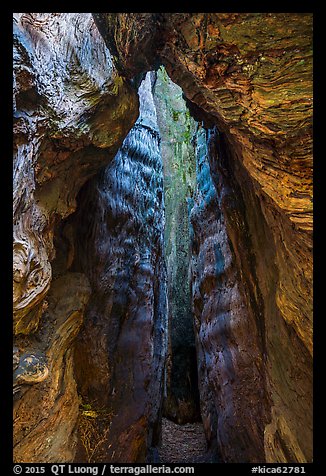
177 129
182 433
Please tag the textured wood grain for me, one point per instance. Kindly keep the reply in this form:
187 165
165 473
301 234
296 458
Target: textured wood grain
46 400
71 113
119 234
251 75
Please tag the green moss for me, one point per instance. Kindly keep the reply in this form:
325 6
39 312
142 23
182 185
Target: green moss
116 85
177 128
175 115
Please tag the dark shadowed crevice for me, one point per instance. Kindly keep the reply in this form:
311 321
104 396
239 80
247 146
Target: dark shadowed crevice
177 130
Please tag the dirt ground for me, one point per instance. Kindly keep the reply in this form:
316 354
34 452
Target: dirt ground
182 443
